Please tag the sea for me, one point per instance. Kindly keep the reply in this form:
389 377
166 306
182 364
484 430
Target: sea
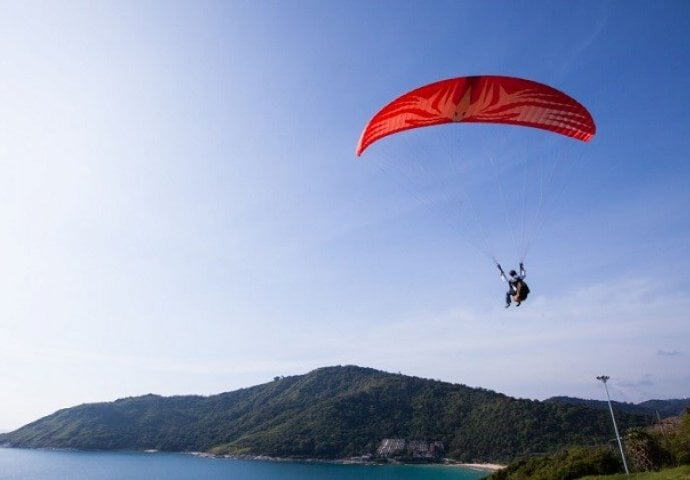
21 464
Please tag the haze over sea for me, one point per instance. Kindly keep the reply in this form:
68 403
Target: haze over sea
18 464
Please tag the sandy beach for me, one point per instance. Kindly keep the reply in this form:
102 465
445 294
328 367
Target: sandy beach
491 467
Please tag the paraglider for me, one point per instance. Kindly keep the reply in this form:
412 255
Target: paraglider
483 99
517 287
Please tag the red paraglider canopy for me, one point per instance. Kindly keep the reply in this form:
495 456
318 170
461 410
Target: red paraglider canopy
483 99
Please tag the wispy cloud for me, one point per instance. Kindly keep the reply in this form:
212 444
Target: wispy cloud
669 353
596 29
646 380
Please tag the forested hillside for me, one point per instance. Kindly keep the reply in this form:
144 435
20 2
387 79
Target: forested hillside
332 412
653 408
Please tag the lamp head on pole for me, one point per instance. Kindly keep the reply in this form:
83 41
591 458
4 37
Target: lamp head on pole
603 378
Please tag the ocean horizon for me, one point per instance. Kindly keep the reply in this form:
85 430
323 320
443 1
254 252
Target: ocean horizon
49 464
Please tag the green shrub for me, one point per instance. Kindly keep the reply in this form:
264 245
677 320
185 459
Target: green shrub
680 441
568 464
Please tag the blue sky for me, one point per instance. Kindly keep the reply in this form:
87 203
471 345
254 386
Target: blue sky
182 210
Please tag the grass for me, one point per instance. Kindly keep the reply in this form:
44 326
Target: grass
679 473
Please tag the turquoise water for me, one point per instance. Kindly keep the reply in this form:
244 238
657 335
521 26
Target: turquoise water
18 464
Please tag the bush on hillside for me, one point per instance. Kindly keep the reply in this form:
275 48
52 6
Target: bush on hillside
680 441
644 452
568 464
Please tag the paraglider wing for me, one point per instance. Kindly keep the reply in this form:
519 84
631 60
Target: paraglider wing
483 99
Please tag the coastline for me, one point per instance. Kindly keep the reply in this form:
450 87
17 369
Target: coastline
487 467
448 462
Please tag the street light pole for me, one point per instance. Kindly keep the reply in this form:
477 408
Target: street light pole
603 379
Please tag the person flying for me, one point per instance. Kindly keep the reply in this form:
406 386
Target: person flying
517 287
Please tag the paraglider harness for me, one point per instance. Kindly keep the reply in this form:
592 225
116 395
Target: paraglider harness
517 287
521 290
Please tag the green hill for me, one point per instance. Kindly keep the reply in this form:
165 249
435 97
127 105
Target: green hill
331 412
662 408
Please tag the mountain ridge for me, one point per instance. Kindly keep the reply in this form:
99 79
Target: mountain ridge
329 413
656 408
